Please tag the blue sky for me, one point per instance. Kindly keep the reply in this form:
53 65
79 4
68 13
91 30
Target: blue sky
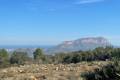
48 22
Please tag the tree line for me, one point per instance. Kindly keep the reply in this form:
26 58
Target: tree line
21 58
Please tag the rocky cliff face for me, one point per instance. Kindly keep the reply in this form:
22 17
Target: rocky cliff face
80 44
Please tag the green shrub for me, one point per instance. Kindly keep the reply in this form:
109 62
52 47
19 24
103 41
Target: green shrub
19 58
109 72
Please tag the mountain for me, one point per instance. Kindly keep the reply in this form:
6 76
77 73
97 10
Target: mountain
83 44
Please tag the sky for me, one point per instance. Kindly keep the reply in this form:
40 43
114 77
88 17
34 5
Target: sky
49 22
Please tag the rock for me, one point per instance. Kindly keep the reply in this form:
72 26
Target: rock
4 71
33 78
21 71
57 68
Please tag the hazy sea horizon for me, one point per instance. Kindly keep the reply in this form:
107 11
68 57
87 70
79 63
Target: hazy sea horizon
25 46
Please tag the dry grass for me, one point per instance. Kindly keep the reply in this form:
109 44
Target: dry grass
49 71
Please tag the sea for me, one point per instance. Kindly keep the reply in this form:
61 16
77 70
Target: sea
24 46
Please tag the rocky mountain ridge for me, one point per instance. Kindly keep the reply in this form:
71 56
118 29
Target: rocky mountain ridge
83 44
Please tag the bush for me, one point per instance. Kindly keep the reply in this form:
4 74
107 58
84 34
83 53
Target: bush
19 58
109 72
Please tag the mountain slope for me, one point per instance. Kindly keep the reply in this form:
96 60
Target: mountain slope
83 44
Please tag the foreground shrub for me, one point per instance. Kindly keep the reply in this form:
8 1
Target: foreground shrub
111 72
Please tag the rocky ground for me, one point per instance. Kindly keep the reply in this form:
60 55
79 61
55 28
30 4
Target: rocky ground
49 71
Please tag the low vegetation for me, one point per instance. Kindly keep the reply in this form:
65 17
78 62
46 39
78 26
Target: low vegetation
108 72
98 64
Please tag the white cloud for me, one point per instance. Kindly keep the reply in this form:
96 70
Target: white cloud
87 1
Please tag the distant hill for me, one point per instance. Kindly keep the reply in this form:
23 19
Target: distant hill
83 44
25 48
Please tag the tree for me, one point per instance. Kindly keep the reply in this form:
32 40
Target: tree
3 54
4 58
38 54
19 58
